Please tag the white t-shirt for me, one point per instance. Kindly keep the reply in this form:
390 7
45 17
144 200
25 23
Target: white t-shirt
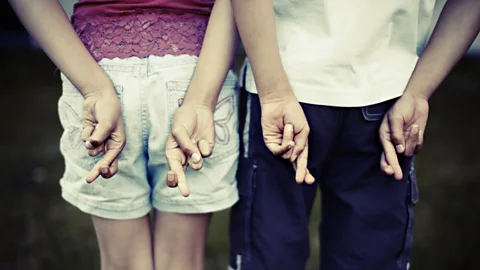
349 53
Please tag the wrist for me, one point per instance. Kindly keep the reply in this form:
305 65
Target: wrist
204 101
274 90
275 94
97 84
417 94
97 90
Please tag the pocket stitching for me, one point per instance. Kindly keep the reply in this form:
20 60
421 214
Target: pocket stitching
371 116
181 86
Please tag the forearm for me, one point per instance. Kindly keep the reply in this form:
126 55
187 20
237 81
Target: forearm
457 27
216 56
47 22
256 25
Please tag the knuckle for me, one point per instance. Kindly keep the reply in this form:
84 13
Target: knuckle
123 143
396 118
188 149
176 131
307 129
109 126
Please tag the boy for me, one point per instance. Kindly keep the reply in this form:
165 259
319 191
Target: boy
346 78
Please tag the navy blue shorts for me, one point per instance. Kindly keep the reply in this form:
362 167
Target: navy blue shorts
367 216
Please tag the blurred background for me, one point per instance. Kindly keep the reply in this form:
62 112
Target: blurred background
38 230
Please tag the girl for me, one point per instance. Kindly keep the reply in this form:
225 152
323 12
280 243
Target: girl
127 66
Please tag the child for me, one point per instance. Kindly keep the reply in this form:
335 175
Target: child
122 108
329 71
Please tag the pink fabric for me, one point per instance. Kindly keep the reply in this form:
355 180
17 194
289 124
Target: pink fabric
88 7
112 28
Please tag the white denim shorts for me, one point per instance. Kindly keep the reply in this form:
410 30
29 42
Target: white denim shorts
150 91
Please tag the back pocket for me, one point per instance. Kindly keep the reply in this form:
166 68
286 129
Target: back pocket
376 112
225 116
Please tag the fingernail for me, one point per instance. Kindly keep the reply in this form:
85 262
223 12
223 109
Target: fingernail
289 127
170 177
88 145
399 148
290 145
196 158
415 129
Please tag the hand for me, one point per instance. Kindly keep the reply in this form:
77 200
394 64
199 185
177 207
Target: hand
192 136
285 132
402 130
103 132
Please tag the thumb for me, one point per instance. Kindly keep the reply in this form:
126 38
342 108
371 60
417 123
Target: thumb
396 127
101 132
205 147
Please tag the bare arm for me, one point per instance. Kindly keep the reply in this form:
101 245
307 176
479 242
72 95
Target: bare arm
280 108
103 130
193 130
457 27
216 57
47 22
256 25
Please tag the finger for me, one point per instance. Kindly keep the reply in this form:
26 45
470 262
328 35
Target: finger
176 160
288 134
86 133
172 180
279 150
287 141
302 162
177 167
421 133
182 137
205 147
392 159
112 170
384 165
94 151
93 174
309 179
100 134
112 151
396 129
412 140
195 164
301 140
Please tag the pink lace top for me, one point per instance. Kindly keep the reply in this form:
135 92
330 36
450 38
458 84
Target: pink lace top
141 32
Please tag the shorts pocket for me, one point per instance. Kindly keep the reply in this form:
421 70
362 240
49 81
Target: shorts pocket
225 116
70 111
241 215
376 112
412 198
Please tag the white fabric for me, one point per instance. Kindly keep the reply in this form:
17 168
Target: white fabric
349 53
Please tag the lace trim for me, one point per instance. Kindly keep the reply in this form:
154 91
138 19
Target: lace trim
141 35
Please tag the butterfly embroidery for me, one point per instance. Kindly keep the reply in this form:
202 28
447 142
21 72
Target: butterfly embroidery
223 137
72 132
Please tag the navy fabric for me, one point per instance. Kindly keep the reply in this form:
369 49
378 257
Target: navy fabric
367 216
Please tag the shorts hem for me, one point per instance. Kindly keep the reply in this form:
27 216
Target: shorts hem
192 207
75 199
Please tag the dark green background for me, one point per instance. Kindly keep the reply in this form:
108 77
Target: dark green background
38 230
